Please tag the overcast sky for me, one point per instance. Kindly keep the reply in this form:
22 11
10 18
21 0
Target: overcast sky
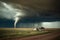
38 4
36 10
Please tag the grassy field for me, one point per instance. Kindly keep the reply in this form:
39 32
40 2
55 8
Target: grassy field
19 32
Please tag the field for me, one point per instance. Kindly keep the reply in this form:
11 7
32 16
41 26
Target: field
19 32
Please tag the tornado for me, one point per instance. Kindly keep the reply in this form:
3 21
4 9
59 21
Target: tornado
16 20
17 17
15 12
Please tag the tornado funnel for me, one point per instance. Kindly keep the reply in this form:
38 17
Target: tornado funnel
16 20
17 17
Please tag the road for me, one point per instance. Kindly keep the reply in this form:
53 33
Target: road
50 36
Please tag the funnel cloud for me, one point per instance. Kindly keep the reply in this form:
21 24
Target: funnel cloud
14 12
17 15
17 18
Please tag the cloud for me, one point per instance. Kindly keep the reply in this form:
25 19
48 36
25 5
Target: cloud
8 11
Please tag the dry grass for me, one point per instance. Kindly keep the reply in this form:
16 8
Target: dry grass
16 29
18 32
27 29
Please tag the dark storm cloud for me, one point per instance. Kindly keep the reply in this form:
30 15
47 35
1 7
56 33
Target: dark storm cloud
44 7
9 10
36 10
37 4
37 7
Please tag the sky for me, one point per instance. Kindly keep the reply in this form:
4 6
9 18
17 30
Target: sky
38 5
34 11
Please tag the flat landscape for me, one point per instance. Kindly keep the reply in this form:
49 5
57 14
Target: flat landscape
28 34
